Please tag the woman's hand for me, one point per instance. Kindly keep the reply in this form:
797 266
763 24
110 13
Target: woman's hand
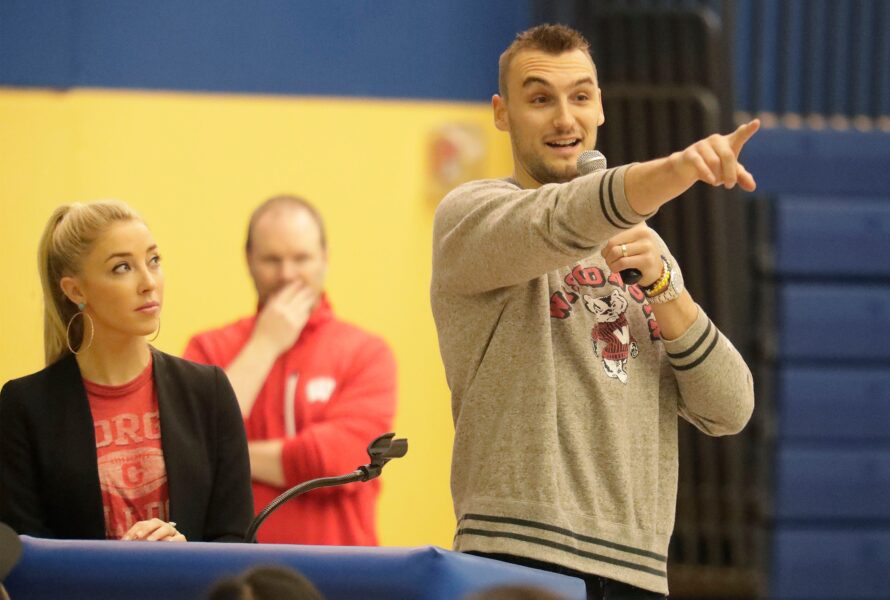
636 248
154 530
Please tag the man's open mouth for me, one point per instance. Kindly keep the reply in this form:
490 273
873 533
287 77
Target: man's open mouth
564 143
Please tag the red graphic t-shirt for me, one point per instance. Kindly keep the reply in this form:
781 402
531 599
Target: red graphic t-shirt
132 473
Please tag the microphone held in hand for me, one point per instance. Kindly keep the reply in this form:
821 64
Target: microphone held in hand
591 161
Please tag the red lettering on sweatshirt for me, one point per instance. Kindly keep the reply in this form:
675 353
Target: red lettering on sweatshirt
587 276
654 329
560 307
636 293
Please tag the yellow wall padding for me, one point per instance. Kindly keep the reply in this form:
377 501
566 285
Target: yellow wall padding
195 165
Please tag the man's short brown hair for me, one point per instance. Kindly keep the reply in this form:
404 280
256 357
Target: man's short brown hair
286 201
552 39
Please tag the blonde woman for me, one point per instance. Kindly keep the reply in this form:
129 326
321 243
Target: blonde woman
115 439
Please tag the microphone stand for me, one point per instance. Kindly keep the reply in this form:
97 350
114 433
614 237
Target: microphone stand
381 450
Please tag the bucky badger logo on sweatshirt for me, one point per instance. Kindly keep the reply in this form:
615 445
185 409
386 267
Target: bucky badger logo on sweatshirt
612 329
612 340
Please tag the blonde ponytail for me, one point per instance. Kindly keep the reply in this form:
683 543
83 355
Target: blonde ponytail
66 240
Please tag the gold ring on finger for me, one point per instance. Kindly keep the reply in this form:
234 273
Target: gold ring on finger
624 250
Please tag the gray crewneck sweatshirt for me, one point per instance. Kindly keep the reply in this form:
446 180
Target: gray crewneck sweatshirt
564 399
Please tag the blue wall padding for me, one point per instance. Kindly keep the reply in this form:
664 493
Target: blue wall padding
819 162
767 35
830 236
832 483
834 405
382 48
843 324
812 57
831 564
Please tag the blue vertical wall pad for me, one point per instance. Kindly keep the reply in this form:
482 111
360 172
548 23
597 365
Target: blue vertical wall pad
366 48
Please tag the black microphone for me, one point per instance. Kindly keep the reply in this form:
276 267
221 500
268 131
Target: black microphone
591 161
382 450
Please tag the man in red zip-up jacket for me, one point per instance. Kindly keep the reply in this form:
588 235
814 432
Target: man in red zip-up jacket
314 390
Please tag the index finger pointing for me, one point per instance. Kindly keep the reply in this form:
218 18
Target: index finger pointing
739 137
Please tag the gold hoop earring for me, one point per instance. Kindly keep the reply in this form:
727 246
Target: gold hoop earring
80 308
158 332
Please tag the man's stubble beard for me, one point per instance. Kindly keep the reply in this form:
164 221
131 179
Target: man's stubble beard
540 172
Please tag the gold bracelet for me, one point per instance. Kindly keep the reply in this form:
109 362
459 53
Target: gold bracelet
661 284
658 287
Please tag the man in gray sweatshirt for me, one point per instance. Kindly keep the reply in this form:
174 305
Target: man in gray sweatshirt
566 382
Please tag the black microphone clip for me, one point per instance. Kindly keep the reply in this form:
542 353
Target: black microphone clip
382 450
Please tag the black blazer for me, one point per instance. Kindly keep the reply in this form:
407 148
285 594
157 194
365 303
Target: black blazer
49 476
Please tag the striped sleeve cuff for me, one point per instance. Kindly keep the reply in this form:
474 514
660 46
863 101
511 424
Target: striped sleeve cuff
694 346
613 201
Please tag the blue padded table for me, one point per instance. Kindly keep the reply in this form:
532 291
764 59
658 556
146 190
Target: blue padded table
75 569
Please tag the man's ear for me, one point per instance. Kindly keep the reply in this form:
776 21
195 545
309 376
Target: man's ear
71 289
499 108
599 98
248 260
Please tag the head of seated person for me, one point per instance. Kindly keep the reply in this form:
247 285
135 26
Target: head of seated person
266 583
514 592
